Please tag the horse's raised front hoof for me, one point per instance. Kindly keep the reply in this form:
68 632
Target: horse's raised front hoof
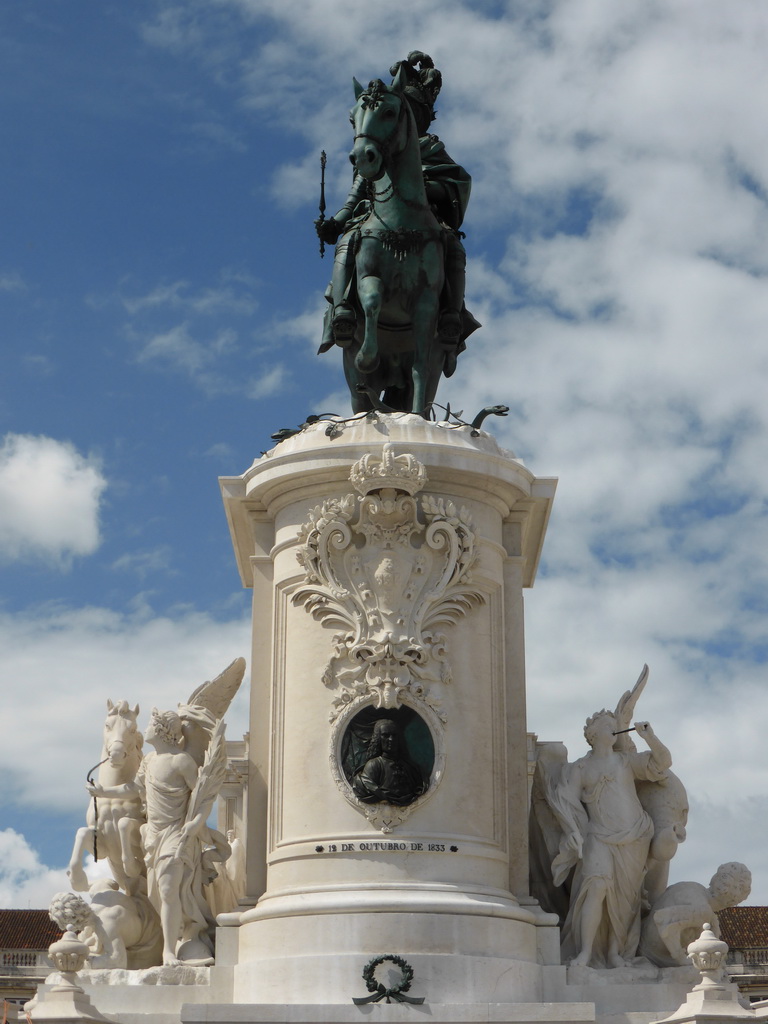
367 364
77 878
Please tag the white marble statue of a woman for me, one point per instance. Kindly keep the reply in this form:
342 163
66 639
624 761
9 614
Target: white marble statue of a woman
607 836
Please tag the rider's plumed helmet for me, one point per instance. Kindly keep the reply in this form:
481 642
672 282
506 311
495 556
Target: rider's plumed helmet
423 86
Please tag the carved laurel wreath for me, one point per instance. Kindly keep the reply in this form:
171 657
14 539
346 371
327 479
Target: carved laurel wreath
397 992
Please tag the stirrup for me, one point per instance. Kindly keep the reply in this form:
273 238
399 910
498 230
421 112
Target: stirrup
343 325
449 329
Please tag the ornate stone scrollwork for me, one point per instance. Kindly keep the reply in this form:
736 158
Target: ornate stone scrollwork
389 569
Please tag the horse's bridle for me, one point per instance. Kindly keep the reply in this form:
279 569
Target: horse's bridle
383 145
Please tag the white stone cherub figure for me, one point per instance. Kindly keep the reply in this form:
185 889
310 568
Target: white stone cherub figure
607 836
678 916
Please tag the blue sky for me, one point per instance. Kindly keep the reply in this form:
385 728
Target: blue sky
161 294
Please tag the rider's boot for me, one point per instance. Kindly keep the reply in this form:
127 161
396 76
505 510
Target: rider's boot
449 336
449 325
344 320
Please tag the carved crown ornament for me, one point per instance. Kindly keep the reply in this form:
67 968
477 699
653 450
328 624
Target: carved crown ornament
396 472
388 569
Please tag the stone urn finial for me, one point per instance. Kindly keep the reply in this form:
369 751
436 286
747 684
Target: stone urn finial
712 999
65 1002
68 955
707 954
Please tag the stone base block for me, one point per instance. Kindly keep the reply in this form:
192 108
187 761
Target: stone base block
445 1013
489 988
153 995
639 994
65 1006
480 947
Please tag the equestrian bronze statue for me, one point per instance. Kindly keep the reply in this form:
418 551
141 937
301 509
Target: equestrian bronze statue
396 299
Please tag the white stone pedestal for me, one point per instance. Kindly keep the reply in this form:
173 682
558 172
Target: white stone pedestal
443 881
153 995
387 560
66 1004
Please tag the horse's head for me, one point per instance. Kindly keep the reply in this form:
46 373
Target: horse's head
121 735
381 119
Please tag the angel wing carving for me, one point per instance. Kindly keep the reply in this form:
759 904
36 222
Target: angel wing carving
207 705
218 694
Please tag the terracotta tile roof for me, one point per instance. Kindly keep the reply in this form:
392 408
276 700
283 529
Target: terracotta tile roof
27 929
744 927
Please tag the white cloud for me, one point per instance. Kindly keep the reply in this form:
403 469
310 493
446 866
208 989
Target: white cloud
221 452
234 293
619 148
142 563
72 660
24 881
270 383
208 364
12 281
630 344
177 348
27 883
211 135
49 499
209 357
174 28
40 365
